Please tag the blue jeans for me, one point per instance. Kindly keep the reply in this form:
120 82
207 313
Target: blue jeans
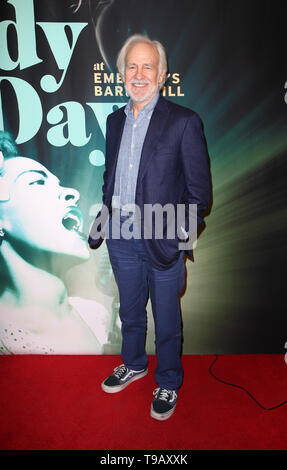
136 278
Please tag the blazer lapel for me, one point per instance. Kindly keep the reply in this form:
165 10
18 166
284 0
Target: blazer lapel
156 126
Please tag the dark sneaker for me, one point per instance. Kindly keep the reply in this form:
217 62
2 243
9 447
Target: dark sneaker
121 378
163 404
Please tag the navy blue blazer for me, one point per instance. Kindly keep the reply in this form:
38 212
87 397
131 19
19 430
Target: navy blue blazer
174 169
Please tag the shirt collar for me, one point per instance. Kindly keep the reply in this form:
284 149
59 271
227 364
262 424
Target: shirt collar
145 110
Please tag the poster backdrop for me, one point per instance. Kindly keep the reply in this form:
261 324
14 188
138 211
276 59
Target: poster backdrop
58 83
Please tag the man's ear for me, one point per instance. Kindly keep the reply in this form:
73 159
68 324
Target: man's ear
162 78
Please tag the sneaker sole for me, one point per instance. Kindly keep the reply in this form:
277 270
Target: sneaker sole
119 388
162 416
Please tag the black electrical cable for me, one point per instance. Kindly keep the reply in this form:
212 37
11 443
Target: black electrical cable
242 388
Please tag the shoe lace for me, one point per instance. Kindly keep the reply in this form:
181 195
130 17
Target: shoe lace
164 394
120 371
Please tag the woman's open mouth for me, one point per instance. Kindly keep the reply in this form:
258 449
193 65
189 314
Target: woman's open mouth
73 221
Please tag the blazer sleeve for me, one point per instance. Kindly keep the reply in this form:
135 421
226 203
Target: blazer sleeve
106 162
96 234
195 163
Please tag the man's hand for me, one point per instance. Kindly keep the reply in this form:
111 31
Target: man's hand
94 244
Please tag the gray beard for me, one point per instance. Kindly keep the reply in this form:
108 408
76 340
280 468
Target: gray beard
149 95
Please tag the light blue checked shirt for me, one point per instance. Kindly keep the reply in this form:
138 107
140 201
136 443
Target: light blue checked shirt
129 155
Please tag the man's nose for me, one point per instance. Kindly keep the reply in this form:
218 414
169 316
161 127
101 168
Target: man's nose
139 73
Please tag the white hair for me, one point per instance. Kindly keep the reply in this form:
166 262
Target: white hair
121 60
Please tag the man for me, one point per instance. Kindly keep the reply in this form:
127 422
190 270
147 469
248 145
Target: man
155 154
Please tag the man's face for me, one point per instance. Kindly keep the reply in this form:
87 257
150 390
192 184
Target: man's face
142 72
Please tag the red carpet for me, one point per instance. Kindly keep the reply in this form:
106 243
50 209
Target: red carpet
55 402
